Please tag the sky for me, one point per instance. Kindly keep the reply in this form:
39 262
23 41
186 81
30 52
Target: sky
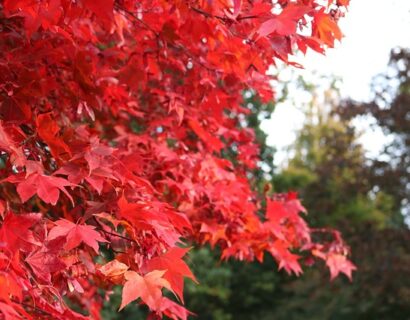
371 29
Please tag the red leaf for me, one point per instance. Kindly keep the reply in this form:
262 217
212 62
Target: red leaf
343 2
48 130
14 111
44 262
339 263
148 288
176 268
174 310
237 7
286 259
46 187
9 312
76 234
276 211
12 5
15 231
9 288
211 141
285 23
103 9
237 4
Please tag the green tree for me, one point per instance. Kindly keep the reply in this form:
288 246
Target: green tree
338 187
390 110
328 166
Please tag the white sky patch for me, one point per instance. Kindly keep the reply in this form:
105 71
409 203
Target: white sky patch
371 28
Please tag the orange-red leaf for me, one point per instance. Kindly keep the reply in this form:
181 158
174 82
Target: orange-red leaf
147 287
326 29
176 268
114 270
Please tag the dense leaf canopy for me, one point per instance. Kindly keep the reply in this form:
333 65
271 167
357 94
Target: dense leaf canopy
114 124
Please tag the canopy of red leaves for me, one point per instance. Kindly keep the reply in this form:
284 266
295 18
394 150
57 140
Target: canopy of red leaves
114 116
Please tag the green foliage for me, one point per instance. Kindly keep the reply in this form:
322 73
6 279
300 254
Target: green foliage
232 290
210 298
329 169
390 110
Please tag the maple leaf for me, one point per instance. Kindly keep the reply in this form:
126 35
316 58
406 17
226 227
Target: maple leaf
153 217
174 310
147 287
44 262
10 288
114 270
343 2
7 144
103 216
237 4
96 154
15 231
214 232
102 9
76 174
76 234
286 259
48 131
211 141
176 268
36 14
9 312
276 211
15 111
46 187
326 29
5 140
285 23
277 214
339 263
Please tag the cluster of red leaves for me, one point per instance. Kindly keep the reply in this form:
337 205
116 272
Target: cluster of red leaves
114 116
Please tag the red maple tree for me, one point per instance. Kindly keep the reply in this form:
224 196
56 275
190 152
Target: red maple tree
113 122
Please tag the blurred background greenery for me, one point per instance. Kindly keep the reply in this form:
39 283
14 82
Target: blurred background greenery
367 198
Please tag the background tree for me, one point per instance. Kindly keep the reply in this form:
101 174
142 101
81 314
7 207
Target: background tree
328 164
390 109
330 168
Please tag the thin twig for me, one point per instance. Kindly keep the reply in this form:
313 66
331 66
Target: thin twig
207 14
121 10
101 228
246 17
26 305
